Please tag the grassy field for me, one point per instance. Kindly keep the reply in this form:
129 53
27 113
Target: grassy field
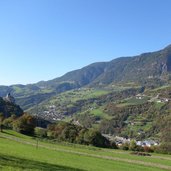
133 101
99 112
75 95
18 153
69 98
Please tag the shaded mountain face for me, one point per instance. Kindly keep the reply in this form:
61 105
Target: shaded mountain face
146 69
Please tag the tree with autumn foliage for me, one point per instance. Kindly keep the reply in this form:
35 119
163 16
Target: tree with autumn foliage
25 124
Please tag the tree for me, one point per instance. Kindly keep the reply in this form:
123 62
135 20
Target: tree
125 146
76 134
165 146
69 133
95 138
80 137
8 122
40 132
1 121
25 124
133 145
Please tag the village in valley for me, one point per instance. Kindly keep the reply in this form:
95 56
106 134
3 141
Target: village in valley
66 110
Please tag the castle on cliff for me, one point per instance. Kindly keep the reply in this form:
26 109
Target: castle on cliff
9 98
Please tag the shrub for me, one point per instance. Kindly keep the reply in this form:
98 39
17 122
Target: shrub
125 146
95 138
164 148
8 122
40 132
133 145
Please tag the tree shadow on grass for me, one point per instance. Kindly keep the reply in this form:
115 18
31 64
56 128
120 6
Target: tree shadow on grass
24 164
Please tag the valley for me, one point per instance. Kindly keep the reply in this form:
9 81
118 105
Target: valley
112 115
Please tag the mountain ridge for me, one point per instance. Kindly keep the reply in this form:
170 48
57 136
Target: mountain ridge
147 69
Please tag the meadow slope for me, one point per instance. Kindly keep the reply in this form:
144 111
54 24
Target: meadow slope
18 153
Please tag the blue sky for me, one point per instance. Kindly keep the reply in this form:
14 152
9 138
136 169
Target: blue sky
43 39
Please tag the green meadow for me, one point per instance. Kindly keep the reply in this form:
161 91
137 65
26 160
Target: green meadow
19 152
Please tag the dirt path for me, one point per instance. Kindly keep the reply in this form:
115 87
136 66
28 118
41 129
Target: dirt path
156 157
92 155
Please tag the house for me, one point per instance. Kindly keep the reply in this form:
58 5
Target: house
138 96
147 143
165 100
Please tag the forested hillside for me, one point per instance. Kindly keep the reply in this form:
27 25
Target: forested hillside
148 69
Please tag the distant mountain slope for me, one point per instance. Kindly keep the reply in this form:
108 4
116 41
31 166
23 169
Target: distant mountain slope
148 66
142 68
149 69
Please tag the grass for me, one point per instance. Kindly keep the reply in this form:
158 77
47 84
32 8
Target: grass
70 97
133 101
99 112
159 105
16 134
24 155
17 89
161 88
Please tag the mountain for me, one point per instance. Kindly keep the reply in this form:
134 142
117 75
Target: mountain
142 68
149 69
155 65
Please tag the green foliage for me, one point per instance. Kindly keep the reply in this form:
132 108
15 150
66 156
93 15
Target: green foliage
165 146
75 134
1 121
40 132
86 119
8 122
95 138
25 124
80 138
125 146
133 145
108 126
69 133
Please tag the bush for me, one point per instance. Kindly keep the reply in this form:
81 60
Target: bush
80 137
1 121
164 148
93 137
125 146
8 122
40 132
69 133
133 145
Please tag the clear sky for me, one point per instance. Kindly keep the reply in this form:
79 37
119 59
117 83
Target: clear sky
43 39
